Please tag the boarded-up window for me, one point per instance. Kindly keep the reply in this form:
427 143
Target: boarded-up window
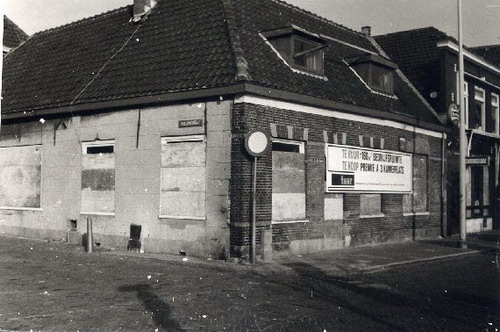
98 177
183 177
289 189
370 205
20 177
417 201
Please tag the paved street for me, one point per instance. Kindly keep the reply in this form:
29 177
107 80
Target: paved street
58 287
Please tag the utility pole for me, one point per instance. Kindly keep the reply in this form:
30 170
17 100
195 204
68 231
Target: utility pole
463 137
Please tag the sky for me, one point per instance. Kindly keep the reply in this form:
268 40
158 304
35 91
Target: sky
481 17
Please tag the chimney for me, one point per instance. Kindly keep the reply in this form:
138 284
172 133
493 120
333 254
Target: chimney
366 30
142 7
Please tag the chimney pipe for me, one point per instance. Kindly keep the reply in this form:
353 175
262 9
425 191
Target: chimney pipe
366 30
142 7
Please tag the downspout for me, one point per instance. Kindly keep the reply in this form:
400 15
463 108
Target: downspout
444 194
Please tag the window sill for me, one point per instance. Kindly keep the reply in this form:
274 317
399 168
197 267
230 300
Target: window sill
370 216
481 132
303 221
410 214
20 208
110 214
163 217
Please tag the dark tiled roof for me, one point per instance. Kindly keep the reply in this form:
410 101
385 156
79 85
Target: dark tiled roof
267 69
489 52
186 45
13 35
417 55
182 45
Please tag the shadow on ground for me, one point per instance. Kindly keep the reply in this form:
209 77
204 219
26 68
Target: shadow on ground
152 303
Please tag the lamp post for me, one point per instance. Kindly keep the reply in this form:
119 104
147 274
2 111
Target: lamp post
463 137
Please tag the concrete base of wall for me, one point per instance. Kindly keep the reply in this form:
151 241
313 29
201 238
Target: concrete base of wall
34 233
394 236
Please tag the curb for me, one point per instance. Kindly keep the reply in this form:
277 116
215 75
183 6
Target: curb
377 268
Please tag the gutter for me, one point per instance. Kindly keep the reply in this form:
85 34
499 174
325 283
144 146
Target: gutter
216 93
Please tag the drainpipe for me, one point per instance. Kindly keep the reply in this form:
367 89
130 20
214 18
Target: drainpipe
444 194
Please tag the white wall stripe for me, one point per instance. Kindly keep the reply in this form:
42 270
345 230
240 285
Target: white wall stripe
252 99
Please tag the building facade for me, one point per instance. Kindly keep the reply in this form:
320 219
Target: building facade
144 134
429 58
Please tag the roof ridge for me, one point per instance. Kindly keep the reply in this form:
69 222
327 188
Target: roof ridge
314 15
430 27
234 38
83 20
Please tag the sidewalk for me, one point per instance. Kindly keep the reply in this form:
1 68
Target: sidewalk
354 260
383 256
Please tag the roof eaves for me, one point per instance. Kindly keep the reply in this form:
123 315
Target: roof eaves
241 63
470 55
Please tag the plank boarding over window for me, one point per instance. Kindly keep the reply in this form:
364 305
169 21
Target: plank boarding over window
183 177
20 177
370 205
289 189
98 177
417 202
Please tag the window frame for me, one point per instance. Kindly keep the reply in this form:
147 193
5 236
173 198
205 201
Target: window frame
427 189
97 144
321 53
20 208
365 66
380 213
286 50
183 139
93 144
481 100
301 145
495 107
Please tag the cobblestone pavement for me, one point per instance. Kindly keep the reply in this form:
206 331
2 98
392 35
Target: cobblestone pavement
57 287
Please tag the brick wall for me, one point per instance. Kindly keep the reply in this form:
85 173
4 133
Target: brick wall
324 234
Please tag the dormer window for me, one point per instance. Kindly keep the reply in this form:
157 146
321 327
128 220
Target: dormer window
375 71
300 49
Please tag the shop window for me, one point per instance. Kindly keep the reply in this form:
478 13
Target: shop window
183 172
20 177
298 48
417 201
370 205
478 192
477 113
98 177
495 113
288 181
375 71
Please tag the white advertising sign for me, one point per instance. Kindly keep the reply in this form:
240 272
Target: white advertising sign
355 169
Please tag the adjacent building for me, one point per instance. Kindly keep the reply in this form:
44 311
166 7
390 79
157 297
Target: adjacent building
488 52
136 120
13 36
429 58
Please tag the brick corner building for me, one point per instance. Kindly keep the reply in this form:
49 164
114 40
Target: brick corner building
139 123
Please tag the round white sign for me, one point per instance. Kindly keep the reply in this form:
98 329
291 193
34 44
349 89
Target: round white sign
256 143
